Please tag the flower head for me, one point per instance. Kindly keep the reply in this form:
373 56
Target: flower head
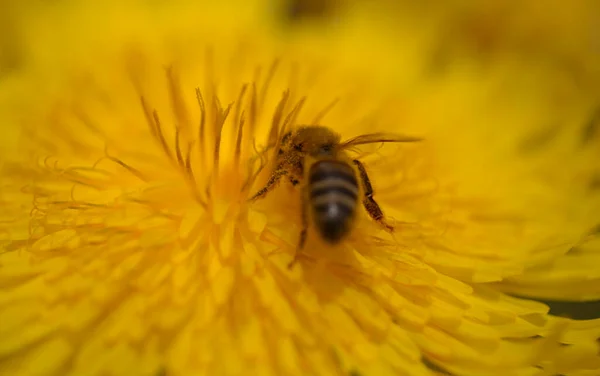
129 245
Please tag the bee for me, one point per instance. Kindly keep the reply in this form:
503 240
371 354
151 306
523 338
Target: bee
333 182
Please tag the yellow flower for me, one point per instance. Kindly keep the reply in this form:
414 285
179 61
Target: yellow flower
129 247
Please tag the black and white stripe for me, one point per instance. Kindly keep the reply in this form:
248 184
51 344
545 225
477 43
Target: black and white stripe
334 191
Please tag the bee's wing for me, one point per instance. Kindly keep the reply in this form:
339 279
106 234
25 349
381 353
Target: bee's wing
377 138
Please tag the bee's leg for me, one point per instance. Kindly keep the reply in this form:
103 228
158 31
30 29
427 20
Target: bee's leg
368 202
270 184
304 231
297 172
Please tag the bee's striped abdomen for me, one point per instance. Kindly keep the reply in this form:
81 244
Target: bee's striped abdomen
334 191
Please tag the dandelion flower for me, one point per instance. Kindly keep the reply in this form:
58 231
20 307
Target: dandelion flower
129 246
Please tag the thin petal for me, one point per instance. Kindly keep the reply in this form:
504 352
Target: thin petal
572 277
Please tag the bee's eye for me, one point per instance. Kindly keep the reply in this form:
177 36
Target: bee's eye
325 149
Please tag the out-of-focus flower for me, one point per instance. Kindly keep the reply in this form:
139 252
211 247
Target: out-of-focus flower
429 36
128 245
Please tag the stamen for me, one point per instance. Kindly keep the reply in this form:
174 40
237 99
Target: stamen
324 111
252 176
274 134
180 161
178 103
155 127
265 89
239 119
291 118
74 174
253 110
238 105
220 117
238 142
202 129
161 136
189 174
148 115
130 169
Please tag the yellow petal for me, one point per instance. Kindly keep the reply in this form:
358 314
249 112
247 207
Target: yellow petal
129 247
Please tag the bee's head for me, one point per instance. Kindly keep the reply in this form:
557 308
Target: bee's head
312 140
